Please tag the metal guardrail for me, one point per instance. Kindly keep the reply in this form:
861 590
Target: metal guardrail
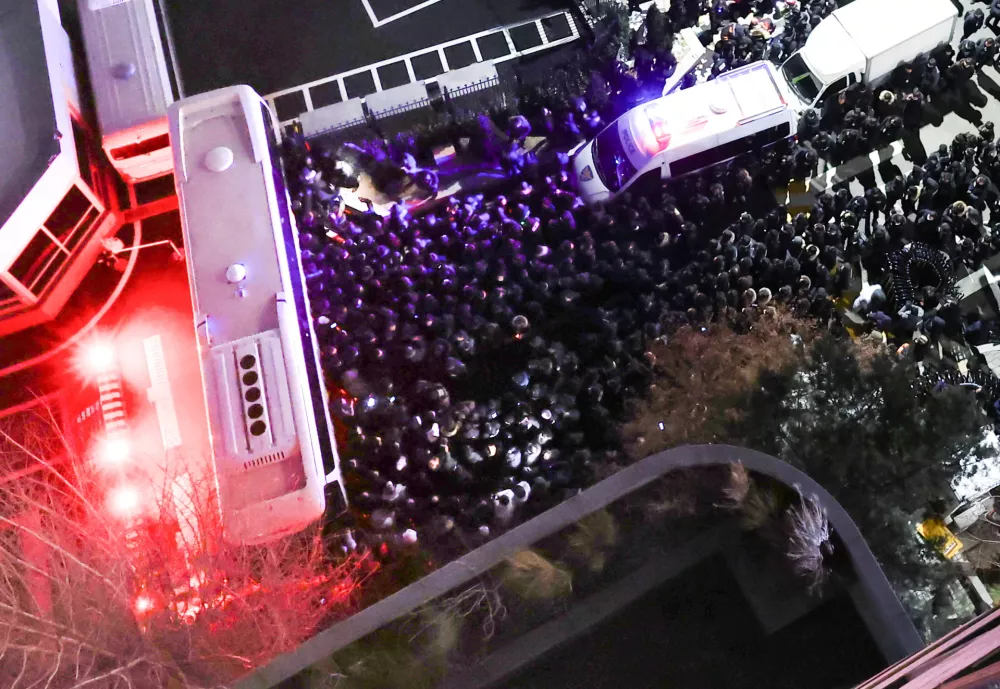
305 90
479 96
403 116
876 602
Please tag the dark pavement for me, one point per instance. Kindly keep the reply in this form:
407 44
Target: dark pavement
276 44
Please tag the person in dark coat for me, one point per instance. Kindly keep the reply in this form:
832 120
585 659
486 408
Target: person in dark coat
931 82
993 22
962 71
986 51
913 110
886 105
973 22
966 48
890 128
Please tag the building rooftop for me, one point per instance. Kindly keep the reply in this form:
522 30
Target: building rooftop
27 114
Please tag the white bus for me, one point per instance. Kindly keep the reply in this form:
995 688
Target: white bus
131 82
740 111
267 406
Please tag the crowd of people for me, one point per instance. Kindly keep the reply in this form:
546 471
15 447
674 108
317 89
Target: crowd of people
486 352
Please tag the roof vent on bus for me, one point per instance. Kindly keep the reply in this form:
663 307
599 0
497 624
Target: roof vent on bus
237 272
219 159
123 71
264 459
718 107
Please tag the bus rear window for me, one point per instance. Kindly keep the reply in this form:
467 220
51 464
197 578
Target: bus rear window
139 148
612 162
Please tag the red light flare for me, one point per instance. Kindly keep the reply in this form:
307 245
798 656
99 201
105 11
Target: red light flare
125 501
144 605
113 451
96 357
160 307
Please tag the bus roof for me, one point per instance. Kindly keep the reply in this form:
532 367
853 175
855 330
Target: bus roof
27 112
708 109
128 71
227 122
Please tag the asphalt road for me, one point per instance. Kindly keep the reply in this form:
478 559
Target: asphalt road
277 44
953 113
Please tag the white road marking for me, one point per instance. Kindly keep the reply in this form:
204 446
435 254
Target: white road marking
404 13
854 167
371 12
376 22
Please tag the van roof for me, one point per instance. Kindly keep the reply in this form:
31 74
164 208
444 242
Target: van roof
876 25
716 106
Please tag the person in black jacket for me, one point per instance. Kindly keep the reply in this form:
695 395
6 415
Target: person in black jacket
993 21
913 109
973 22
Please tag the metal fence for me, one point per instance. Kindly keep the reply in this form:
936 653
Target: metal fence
483 96
591 8
454 104
355 130
404 117
289 103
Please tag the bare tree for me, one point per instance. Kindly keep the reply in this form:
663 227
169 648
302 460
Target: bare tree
736 489
761 508
699 373
91 599
808 534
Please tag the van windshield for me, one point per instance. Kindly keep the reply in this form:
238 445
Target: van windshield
610 159
800 79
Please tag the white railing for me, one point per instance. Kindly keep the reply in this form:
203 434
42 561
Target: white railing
546 43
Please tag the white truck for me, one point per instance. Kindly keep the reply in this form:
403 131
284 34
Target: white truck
863 42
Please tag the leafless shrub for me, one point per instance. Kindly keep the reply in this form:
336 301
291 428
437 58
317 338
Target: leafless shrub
761 507
414 652
88 599
808 539
531 576
477 599
736 488
591 540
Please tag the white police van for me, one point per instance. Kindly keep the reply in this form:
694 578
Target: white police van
741 111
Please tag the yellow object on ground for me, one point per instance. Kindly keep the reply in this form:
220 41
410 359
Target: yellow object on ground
940 536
